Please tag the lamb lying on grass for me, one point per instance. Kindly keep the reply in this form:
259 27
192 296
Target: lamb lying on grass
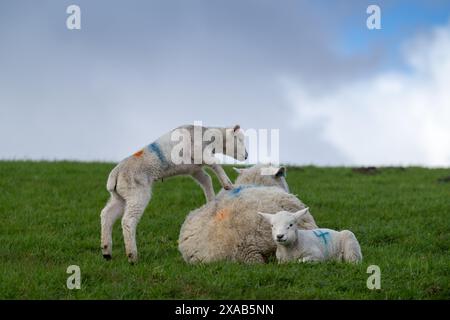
310 245
229 227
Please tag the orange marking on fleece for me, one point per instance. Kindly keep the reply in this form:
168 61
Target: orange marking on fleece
222 214
139 153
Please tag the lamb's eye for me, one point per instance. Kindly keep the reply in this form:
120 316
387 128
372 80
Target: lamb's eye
291 225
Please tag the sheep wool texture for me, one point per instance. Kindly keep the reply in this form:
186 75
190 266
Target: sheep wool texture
229 228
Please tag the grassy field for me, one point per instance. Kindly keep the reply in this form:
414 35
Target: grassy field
49 219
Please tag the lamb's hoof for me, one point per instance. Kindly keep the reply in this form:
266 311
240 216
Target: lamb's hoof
228 187
132 259
107 256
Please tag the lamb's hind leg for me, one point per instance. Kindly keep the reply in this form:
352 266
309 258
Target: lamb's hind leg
350 247
113 210
135 205
204 180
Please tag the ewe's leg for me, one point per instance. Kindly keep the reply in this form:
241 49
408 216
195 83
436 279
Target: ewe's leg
223 178
134 208
204 180
112 211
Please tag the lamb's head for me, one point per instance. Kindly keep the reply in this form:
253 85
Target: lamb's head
264 175
284 225
234 145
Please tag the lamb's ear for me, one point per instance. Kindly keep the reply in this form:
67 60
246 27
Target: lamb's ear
281 172
236 128
266 216
299 214
238 170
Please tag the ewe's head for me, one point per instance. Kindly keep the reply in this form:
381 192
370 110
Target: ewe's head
284 225
234 144
263 175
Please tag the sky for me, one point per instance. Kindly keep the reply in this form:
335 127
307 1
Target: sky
339 93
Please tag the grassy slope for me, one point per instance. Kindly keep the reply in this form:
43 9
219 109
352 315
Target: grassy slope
49 219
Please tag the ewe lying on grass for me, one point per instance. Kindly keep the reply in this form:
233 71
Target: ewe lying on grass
310 245
229 227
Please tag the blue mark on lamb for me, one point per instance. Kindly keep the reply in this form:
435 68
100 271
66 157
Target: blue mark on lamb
154 147
320 234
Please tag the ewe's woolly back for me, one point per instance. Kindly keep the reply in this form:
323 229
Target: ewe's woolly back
229 227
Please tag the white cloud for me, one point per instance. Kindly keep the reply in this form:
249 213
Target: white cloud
392 118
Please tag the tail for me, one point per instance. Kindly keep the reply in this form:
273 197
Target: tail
112 179
350 247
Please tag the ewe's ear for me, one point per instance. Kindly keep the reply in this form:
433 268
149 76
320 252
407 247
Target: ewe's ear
266 216
236 128
299 214
281 172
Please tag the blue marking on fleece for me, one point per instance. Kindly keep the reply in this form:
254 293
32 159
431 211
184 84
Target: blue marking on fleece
320 234
236 191
154 147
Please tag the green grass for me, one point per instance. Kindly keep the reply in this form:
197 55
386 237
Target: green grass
49 219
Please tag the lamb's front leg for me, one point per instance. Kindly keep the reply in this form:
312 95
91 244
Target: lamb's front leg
309 259
204 180
223 178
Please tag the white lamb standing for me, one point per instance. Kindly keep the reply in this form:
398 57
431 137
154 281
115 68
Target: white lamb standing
310 245
130 182
229 228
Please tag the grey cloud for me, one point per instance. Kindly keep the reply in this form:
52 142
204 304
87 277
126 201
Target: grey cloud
140 68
